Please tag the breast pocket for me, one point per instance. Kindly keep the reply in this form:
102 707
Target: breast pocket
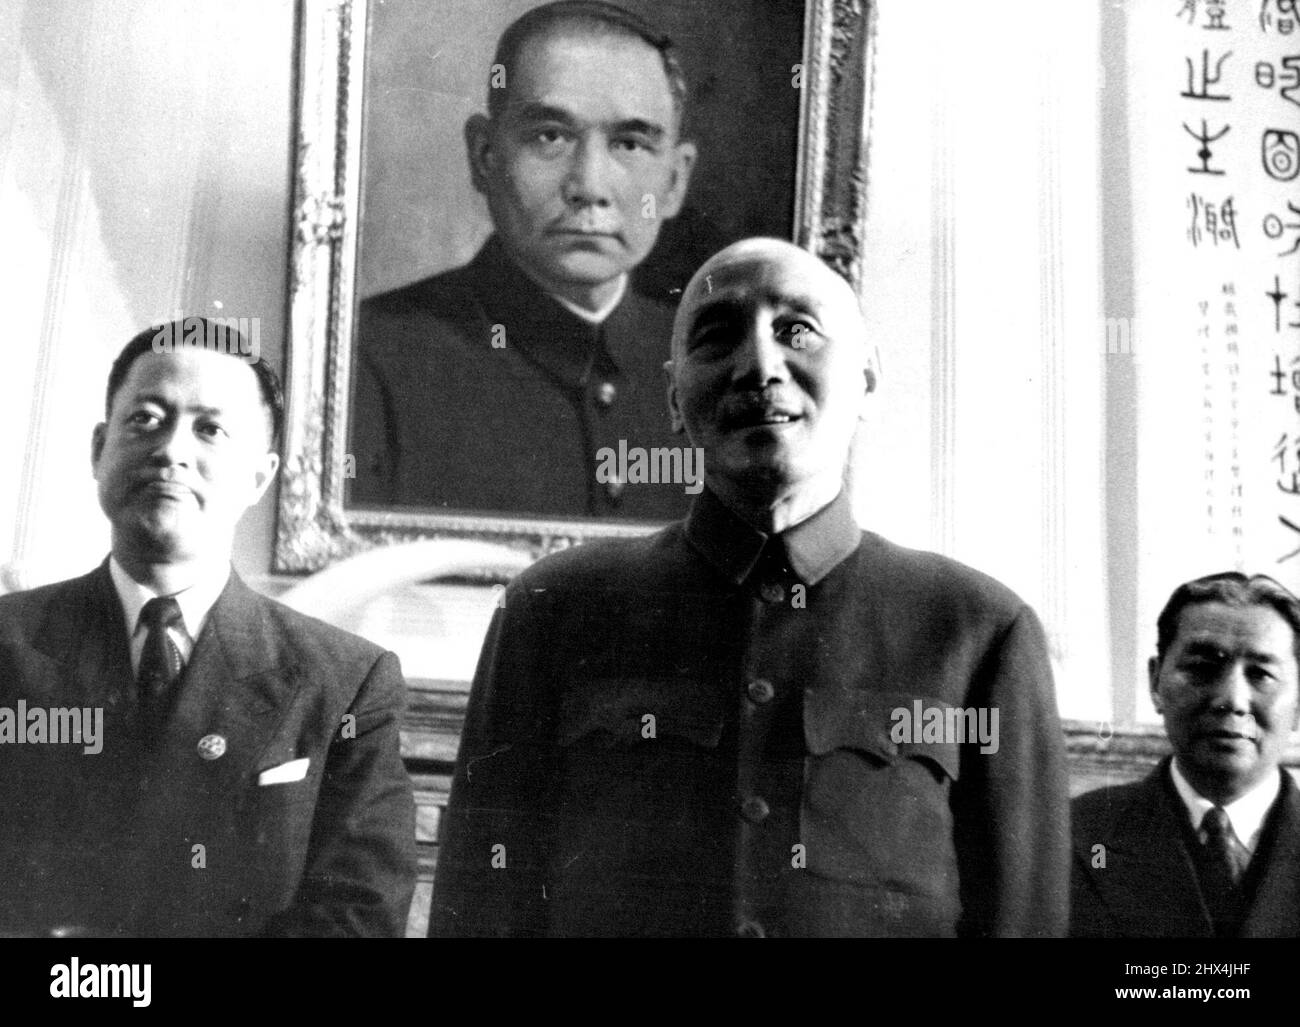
635 826
875 807
618 713
636 750
278 815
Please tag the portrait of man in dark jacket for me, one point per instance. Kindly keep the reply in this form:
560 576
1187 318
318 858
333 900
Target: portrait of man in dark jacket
496 385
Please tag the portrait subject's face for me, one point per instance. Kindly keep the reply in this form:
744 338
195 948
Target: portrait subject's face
583 165
1227 690
770 368
183 454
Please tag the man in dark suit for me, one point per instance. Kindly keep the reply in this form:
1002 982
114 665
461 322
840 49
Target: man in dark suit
718 729
244 775
1208 844
496 386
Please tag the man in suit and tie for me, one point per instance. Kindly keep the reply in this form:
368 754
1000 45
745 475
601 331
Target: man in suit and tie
708 731
497 385
247 777
1208 844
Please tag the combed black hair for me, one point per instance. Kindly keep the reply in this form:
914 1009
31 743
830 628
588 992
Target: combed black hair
1233 589
591 14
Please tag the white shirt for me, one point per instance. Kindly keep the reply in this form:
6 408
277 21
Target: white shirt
597 316
1246 814
196 603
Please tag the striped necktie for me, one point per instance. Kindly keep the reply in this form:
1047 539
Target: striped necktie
160 662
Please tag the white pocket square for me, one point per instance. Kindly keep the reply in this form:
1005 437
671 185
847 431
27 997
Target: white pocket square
294 770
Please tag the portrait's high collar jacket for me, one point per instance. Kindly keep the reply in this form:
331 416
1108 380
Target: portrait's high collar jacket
475 390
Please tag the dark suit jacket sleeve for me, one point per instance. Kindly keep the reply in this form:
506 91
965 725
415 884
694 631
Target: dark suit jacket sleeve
1012 806
361 861
490 874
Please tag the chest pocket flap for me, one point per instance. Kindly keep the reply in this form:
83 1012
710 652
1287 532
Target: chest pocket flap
616 712
883 726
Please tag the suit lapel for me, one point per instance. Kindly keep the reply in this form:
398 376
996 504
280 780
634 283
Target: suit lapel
83 638
86 633
1275 911
234 689
1150 886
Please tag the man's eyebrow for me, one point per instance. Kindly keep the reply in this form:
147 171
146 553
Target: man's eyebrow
729 307
531 112
138 398
718 310
639 126
805 302
159 400
1205 647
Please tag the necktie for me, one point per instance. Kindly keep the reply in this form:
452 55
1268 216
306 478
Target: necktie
160 662
1227 855
1223 864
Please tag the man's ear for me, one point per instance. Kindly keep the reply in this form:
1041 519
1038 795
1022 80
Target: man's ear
263 475
1153 678
674 411
1295 717
478 147
869 382
683 163
97 445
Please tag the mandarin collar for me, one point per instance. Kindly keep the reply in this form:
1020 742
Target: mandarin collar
538 326
814 547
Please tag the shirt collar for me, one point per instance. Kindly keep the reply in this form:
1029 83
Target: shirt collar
814 547
196 602
1246 813
564 345
595 317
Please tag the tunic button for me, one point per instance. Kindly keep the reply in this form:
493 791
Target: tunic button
605 394
754 809
750 929
772 592
761 691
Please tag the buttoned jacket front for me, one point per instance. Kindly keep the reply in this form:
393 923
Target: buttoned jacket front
695 733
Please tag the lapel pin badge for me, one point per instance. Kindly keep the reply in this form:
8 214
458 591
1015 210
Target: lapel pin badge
212 747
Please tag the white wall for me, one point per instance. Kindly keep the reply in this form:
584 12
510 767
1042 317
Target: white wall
144 169
984 293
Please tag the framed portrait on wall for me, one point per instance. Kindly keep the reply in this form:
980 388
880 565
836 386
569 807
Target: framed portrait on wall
497 206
